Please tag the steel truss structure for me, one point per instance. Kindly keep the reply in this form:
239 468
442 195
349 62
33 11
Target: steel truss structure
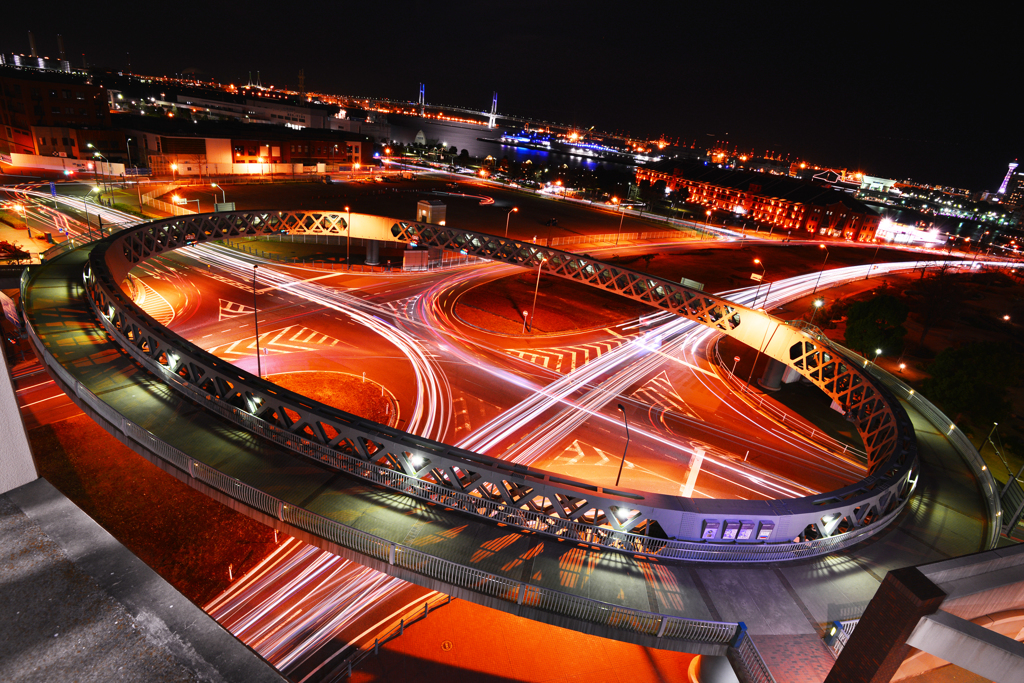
527 498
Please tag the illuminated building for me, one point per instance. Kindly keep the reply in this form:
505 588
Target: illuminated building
777 201
1006 179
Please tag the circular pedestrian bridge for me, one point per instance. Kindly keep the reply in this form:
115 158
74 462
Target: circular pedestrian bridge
513 537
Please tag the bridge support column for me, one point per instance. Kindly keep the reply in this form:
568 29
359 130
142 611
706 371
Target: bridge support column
878 645
372 252
16 465
771 378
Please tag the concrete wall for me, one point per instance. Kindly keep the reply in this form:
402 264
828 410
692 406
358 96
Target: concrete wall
79 166
16 465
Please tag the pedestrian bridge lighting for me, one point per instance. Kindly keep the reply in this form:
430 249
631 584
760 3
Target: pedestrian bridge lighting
416 460
877 353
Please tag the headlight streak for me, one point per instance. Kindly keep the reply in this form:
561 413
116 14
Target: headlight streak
298 600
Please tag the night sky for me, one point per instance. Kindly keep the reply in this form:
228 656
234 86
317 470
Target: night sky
923 94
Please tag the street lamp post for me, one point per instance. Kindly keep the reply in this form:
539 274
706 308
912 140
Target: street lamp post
174 171
223 195
536 288
818 281
622 215
874 261
256 323
757 292
622 462
348 238
507 217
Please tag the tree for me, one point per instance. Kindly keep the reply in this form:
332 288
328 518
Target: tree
940 298
973 380
876 324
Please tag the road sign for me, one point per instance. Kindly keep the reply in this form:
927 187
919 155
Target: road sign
736 359
756 276
53 189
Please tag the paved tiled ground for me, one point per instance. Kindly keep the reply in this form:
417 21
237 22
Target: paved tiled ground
795 659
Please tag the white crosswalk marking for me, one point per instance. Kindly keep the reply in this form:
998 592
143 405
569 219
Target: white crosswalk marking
289 339
402 308
575 452
230 309
560 357
154 304
658 391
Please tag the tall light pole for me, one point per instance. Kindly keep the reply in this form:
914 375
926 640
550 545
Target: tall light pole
138 190
507 217
174 170
256 323
818 281
622 462
223 195
622 215
757 292
348 238
874 260
536 288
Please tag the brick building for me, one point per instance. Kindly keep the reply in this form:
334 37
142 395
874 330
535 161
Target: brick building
39 110
777 201
226 147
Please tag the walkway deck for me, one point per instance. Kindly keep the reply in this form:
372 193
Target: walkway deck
945 519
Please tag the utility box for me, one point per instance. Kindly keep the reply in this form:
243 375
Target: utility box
431 211
710 531
224 206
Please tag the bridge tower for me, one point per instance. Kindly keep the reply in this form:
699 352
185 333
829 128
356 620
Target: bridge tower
1009 174
423 100
493 118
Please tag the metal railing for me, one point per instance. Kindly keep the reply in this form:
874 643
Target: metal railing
956 437
475 580
842 637
783 417
752 661
498 511
863 506
344 668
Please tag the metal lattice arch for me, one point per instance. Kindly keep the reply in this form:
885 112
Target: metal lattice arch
471 483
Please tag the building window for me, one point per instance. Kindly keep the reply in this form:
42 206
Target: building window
66 94
42 140
54 110
79 95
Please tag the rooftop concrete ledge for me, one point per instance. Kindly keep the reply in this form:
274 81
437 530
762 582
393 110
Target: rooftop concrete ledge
970 646
133 619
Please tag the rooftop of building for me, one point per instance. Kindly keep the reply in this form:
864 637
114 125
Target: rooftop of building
764 184
187 128
16 73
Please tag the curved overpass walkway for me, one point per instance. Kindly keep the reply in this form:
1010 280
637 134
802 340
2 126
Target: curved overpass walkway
592 590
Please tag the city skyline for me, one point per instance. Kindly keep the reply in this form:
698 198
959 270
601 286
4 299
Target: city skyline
899 96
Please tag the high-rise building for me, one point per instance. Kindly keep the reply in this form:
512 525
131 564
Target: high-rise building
1006 180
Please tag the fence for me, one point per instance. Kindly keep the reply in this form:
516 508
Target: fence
794 423
501 588
150 199
449 259
344 669
842 636
751 661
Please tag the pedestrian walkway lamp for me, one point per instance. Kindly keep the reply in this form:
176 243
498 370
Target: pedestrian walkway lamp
510 212
818 281
622 215
625 423
818 303
256 323
223 195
